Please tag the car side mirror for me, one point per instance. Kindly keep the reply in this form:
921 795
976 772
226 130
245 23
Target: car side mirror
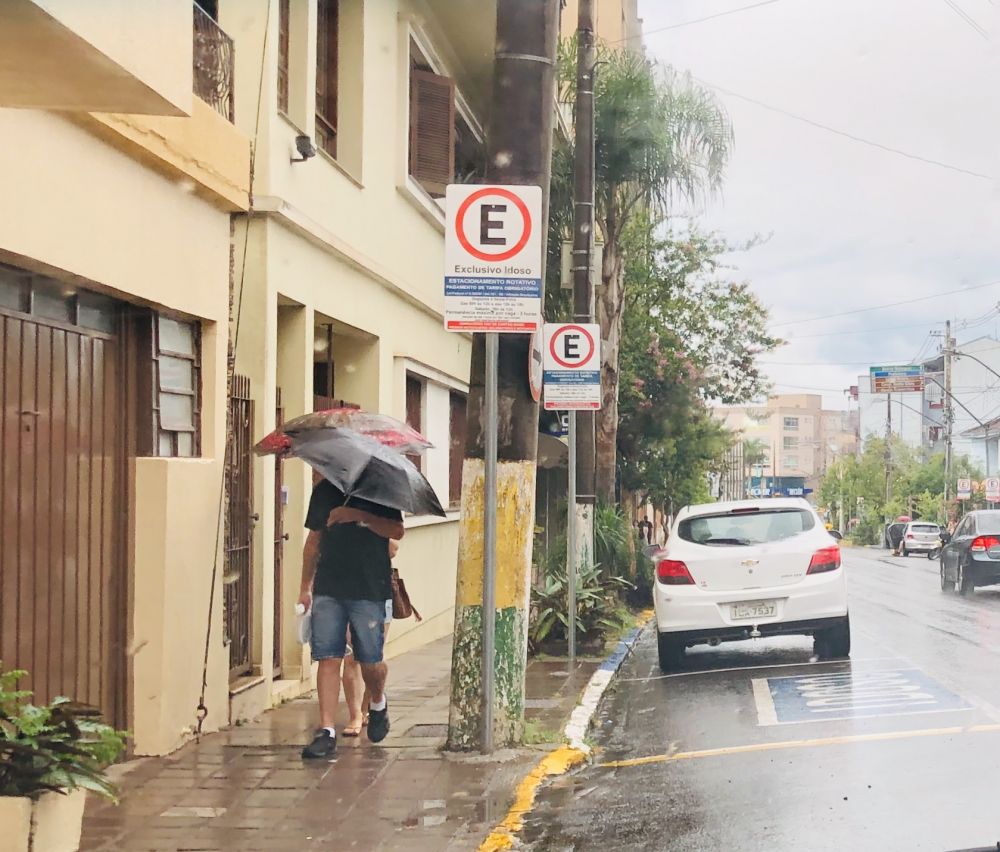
837 534
945 537
650 550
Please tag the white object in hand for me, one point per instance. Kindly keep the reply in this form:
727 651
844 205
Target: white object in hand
304 624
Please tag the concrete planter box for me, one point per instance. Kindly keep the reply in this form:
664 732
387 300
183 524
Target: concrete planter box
50 823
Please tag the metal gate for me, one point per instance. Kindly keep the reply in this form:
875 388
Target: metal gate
62 453
240 518
280 537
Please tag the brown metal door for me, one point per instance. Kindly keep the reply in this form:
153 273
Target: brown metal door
240 519
280 537
62 452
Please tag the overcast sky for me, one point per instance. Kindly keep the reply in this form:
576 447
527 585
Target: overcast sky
853 226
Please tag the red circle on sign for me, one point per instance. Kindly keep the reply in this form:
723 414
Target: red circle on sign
552 346
503 193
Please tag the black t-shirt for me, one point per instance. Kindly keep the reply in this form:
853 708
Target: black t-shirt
353 560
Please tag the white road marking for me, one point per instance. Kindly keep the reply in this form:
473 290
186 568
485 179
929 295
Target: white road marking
749 669
766 714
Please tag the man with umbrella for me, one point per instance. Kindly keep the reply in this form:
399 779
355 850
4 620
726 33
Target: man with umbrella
346 581
368 482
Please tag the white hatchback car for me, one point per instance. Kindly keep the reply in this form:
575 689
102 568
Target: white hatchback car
746 569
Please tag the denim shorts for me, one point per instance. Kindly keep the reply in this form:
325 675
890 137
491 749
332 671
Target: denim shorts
330 619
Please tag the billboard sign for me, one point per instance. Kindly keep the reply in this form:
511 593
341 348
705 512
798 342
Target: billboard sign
899 379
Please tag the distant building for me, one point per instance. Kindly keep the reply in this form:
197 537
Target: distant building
798 439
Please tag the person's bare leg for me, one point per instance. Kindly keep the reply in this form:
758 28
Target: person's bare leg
328 689
354 686
374 675
368 696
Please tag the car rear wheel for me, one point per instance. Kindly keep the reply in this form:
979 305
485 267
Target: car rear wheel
946 584
671 652
834 643
964 582
904 552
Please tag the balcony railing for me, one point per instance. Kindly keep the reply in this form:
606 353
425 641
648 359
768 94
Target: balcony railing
213 64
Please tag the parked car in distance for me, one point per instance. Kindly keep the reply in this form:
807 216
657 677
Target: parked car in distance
919 537
971 557
747 569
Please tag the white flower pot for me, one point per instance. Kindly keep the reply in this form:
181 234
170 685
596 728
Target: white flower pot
50 823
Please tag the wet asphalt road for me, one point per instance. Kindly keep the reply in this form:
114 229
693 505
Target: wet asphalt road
757 746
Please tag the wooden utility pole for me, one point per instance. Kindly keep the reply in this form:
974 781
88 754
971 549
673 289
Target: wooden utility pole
888 448
583 282
949 413
519 151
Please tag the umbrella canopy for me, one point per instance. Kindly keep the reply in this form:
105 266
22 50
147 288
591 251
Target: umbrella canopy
362 467
382 428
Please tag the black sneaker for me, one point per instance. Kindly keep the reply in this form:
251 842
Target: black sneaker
378 724
324 745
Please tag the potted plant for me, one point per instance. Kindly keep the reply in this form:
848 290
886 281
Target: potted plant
50 756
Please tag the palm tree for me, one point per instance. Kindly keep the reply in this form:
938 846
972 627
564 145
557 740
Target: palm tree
659 138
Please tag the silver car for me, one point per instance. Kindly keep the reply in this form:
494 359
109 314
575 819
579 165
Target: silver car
920 537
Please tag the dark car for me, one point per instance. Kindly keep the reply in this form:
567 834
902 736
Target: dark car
971 557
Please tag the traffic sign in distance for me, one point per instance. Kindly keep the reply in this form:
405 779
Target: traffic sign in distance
493 258
572 361
964 489
900 379
992 486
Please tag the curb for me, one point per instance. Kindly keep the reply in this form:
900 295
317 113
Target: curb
573 752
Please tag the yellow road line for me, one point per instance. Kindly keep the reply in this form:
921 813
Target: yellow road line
556 762
820 741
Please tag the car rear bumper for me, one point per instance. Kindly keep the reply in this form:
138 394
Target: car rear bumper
695 611
778 628
983 570
921 546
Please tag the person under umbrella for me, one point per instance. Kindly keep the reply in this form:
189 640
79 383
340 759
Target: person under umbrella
354 511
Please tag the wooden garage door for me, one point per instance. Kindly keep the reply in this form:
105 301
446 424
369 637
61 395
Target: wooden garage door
62 609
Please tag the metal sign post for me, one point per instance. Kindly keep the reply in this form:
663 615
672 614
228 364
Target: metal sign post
572 382
571 567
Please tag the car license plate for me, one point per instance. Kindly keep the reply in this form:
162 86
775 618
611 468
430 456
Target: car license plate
755 609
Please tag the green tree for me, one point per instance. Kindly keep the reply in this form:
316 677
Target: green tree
659 137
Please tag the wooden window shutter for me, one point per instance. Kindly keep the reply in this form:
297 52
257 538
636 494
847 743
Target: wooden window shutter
432 130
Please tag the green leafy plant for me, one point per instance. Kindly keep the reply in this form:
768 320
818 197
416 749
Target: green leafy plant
614 540
597 605
56 747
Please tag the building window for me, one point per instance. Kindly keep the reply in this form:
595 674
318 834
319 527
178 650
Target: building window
327 34
284 19
791 462
48 299
789 443
456 446
791 424
432 137
177 380
415 410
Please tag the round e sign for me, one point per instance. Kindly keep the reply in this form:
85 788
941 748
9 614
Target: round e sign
491 227
572 346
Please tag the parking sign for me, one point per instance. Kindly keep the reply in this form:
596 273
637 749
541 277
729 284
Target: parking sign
572 377
964 489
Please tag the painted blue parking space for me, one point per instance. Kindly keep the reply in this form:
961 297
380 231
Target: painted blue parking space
851 695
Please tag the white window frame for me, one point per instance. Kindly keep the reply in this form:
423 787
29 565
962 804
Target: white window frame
431 208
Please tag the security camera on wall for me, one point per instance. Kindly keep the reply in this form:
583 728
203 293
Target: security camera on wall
305 148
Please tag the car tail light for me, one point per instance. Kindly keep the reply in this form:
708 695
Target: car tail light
673 573
826 559
910 535
984 543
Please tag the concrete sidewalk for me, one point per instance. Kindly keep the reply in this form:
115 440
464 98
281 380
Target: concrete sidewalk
247 787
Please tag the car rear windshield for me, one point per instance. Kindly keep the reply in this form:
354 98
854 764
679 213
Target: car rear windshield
746 527
924 528
988 523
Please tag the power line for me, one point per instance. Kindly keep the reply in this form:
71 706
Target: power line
891 304
861 331
958 10
847 135
701 20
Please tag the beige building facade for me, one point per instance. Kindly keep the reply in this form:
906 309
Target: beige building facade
265 175
797 436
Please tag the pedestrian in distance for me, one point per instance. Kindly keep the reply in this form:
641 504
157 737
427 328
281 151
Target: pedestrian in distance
346 581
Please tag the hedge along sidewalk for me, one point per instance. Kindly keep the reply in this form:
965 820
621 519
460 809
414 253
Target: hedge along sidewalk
575 749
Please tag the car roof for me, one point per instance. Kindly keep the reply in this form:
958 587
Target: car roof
725 506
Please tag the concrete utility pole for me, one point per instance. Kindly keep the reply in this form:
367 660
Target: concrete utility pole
949 411
888 447
580 532
519 151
